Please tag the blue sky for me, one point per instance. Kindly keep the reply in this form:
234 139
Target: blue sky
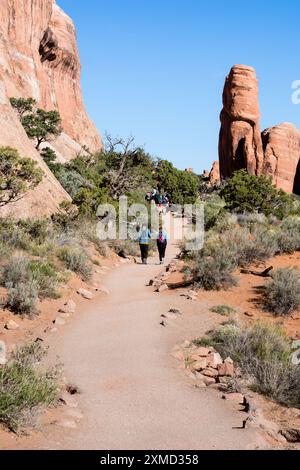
156 68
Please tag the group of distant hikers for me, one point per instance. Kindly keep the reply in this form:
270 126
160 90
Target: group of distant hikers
162 201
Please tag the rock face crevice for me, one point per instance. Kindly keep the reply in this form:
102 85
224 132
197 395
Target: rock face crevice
274 152
48 46
39 59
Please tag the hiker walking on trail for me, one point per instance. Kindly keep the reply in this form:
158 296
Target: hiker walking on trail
162 241
144 241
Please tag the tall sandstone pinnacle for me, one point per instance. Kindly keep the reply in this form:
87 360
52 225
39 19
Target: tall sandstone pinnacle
240 144
39 59
274 152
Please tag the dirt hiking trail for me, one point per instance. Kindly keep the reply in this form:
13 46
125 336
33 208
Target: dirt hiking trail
133 394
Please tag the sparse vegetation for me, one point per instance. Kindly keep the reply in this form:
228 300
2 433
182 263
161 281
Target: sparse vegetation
76 260
17 175
24 388
282 293
27 280
263 353
223 310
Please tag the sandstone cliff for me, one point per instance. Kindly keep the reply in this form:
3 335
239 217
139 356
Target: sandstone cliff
39 59
282 156
274 152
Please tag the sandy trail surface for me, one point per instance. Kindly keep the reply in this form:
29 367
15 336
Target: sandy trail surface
133 393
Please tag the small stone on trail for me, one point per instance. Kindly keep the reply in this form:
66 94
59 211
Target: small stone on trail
174 310
85 294
209 372
228 360
200 364
68 400
235 397
162 288
226 369
214 359
291 434
67 424
209 381
202 351
69 307
59 321
103 290
163 323
11 325
248 314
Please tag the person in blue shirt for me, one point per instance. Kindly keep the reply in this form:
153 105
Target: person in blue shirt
162 242
144 241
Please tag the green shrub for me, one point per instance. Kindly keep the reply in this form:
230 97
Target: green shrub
76 260
46 277
17 175
249 193
282 293
24 388
37 229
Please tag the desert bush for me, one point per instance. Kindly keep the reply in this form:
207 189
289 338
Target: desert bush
288 235
223 310
24 388
224 252
76 260
282 293
214 272
17 175
27 280
125 248
46 276
22 297
12 235
14 271
263 353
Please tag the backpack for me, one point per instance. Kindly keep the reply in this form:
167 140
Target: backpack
161 237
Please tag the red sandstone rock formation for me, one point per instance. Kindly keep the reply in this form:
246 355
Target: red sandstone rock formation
275 152
214 175
39 59
240 144
282 156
